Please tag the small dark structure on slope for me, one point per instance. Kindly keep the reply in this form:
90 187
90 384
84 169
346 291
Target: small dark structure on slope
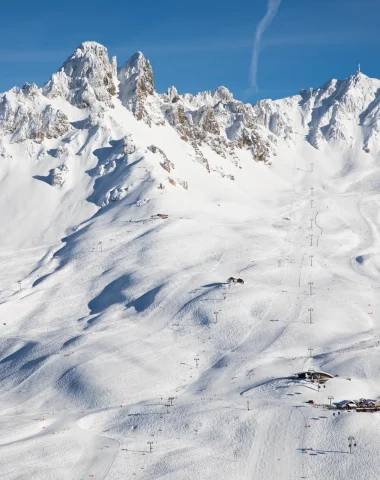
235 280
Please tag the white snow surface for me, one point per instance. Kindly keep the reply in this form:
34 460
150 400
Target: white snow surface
107 313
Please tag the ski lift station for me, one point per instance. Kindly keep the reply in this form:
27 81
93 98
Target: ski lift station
314 376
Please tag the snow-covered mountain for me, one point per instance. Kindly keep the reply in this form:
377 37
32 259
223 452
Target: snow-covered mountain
106 304
83 112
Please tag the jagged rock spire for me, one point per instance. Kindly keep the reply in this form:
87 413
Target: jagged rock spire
136 84
87 79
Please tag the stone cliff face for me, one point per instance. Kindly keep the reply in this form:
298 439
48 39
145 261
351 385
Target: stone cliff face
329 113
338 107
216 119
213 118
342 111
87 79
25 114
136 85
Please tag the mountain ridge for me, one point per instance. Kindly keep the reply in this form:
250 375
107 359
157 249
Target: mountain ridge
88 79
110 117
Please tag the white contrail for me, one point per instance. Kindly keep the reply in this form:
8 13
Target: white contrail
272 9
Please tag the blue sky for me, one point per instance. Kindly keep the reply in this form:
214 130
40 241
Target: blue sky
197 45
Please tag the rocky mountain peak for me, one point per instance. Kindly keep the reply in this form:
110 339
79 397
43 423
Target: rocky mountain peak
336 109
136 84
87 79
222 94
173 94
29 89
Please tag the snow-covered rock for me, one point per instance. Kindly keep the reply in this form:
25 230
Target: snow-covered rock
208 118
87 79
58 175
215 119
3 150
165 163
26 115
116 194
136 84
129 146
331 113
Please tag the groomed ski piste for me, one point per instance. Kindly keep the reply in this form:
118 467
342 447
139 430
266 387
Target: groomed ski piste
118 329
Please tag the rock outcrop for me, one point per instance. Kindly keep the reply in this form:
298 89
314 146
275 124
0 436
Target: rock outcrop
336 112
58 175
25 114
136 85
87 79
216 119
213 118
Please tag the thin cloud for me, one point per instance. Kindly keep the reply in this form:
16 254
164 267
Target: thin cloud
272 9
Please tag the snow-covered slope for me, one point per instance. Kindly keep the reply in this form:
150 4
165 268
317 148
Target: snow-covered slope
111 313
